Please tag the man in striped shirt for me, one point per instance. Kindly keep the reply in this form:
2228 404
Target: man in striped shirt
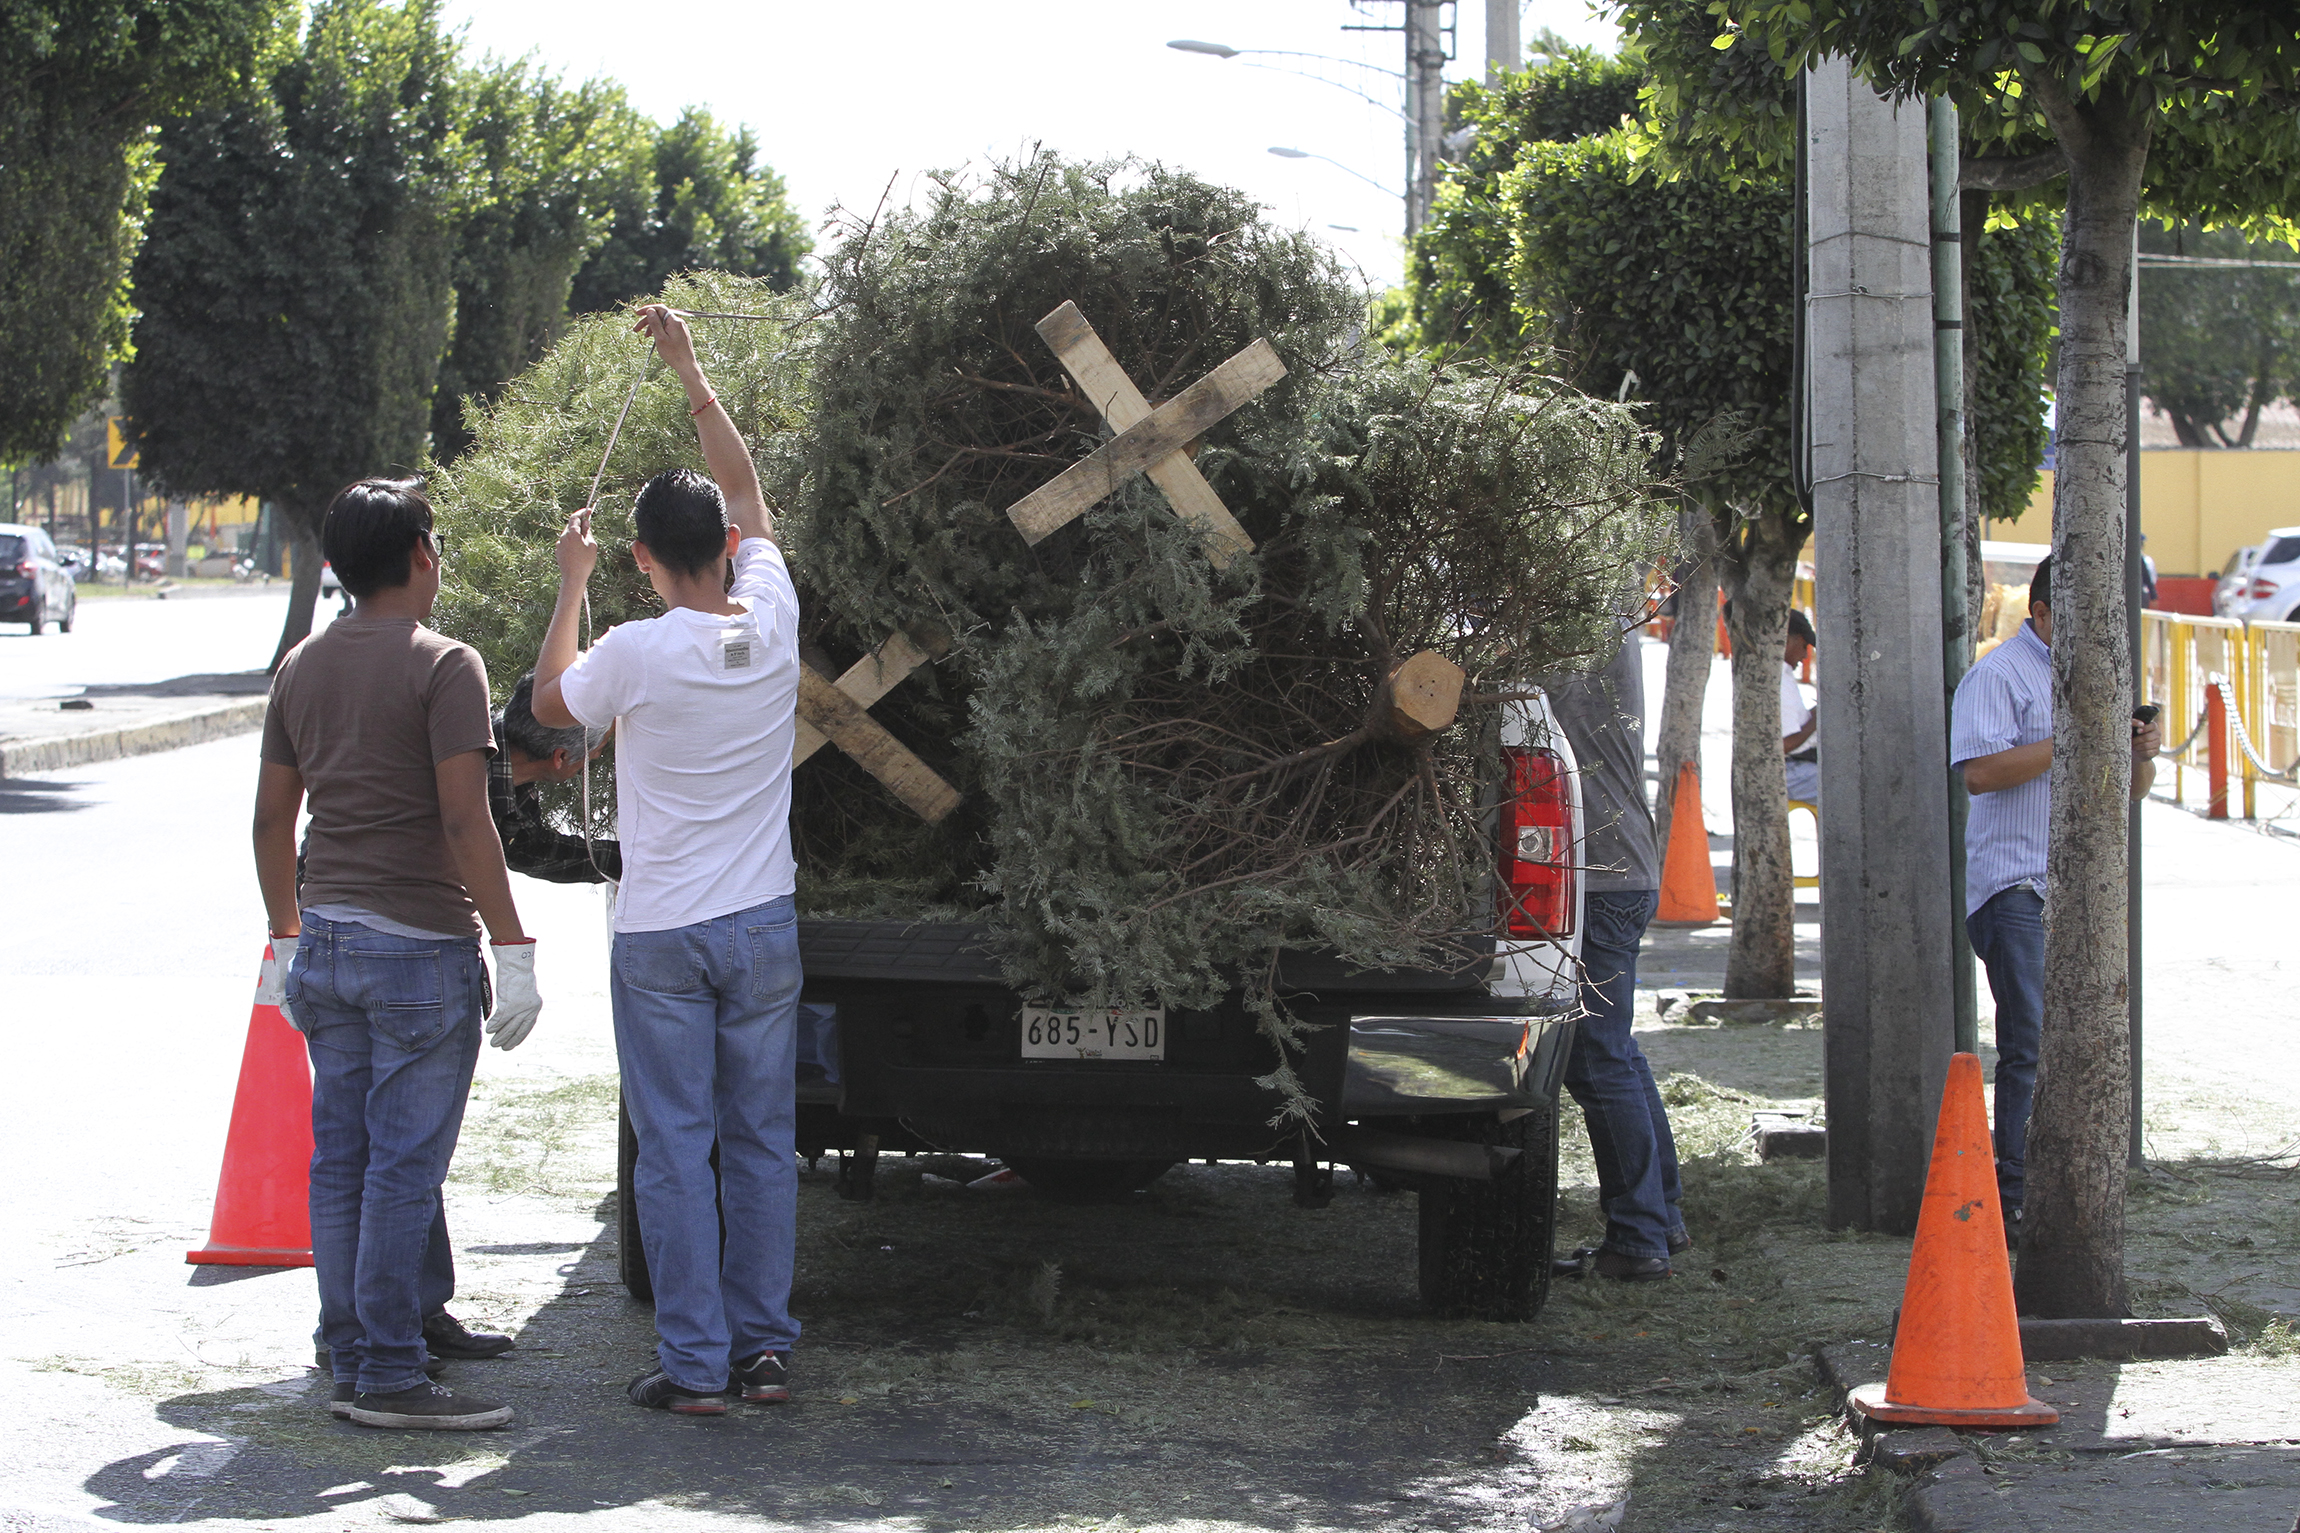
2000 736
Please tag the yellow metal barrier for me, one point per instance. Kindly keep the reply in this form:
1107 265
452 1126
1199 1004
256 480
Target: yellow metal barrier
2258 667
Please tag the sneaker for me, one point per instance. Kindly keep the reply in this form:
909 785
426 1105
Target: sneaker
433 1363
1630 1269
1679 1241
339 1403
446 1335
2012 1228
655 1389
761 1380
428 1407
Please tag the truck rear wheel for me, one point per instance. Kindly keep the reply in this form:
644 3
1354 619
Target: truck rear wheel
1084 1181
630 1249
1486 1246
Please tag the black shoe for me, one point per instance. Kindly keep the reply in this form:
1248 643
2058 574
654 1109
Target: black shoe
445 1335
1680 1243
2012 1228
428 1407
339 1403
1574 1263
433 1363
1631 1269
655 1389
761 1380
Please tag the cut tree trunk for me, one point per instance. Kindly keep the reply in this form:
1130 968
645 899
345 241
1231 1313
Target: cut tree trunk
2072 1241
1761 963
303 589
1692 652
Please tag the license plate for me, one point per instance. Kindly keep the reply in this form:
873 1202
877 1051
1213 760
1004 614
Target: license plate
1051 1034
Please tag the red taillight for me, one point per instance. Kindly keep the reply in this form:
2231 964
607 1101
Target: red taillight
27 568
1536 873
2261 590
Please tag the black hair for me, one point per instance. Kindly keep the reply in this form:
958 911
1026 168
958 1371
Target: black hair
370 532
682 518
1801 627
531 737
2040 583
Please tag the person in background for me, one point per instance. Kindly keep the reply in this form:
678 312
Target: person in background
1801 753
385 724
534 753
2000 738
1603 716
705 971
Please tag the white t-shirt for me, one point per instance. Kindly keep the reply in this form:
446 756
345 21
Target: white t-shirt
1794 709
708 710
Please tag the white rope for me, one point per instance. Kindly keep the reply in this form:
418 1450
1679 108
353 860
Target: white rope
590 850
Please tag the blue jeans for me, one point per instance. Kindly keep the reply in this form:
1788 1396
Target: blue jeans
2008 936
436 1285
1606 1072
704 1030
392 1024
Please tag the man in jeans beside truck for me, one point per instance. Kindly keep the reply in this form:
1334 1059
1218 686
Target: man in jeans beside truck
385 724
705 969
1603 715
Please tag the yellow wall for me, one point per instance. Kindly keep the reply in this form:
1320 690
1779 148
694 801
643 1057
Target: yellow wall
2197 505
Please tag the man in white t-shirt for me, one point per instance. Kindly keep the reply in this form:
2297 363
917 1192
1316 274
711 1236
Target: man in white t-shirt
705 978
1801 759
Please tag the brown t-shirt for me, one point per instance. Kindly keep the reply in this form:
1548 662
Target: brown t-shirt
365 712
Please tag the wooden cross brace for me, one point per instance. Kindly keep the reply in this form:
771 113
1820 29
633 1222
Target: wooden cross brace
1148 441
837 713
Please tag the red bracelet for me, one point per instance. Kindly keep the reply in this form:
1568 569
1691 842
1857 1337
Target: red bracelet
705 405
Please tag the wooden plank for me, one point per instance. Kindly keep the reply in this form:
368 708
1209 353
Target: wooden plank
1081 352
852 729
866 681
1160 435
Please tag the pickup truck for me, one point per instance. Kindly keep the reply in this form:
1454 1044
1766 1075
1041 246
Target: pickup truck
1443 1081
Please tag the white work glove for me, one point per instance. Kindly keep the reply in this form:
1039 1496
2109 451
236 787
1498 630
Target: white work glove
517 1001
271 979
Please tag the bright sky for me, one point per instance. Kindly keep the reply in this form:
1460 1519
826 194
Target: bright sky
844 97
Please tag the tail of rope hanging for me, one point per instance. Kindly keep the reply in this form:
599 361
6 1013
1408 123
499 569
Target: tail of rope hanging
614 434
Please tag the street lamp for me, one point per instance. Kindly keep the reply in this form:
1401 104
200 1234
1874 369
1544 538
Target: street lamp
1225 51
1284 153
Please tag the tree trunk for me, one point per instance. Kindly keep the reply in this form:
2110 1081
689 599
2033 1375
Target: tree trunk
303 592
1762 961
1972 217
1692 649
2072 1242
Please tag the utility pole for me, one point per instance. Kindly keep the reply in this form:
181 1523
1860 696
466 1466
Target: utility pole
1503 50
1885 888
1426 54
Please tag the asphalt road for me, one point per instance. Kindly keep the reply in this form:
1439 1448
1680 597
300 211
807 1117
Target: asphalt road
137 640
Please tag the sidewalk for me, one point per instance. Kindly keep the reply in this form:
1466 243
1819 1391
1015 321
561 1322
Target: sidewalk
105 723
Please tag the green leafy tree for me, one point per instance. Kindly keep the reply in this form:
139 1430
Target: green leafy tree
2182 107
541 166
297 286
2219 343
81 84
1668 280
710 205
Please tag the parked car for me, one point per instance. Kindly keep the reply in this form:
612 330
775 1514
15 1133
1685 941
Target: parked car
2234 576
35 587
1441 1080
2269 590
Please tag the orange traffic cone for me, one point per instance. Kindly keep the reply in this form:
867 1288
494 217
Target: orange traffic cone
263 1196
1956 1358
1688 883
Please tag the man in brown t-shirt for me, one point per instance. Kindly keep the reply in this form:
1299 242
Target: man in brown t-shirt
386 725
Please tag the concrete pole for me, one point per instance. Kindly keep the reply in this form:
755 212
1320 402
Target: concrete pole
1503 50
1425 76
1886 915
179 530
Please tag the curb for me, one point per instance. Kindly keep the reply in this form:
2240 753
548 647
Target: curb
26 758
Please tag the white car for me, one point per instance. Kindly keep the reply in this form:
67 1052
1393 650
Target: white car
2268 589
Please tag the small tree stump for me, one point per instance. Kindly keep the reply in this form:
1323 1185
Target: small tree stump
1423 695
